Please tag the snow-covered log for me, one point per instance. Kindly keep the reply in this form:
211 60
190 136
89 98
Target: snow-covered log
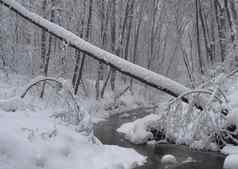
141 74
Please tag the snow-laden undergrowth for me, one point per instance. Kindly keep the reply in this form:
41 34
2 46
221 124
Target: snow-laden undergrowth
184 124
37 136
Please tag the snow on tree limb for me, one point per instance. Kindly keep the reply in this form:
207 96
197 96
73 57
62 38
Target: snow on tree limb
141 74
195 91
36 81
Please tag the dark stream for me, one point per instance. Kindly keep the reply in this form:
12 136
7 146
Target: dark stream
106 132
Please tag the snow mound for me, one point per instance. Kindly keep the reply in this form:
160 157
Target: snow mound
168 159
137 131
33 140
231 162
230 149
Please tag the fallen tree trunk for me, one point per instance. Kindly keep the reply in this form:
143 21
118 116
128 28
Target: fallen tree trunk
137 72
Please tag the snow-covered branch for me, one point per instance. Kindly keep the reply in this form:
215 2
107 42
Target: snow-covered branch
63 84
141 74
37 81
195 91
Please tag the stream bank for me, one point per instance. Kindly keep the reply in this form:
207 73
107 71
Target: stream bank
106 132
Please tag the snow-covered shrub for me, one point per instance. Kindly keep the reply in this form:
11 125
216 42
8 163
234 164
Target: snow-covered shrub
72 111
185 124
210 128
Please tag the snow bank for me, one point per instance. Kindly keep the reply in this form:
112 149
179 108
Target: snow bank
137 131
231 161
32 140
230 149
36 139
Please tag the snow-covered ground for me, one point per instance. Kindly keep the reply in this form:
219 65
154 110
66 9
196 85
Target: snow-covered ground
32 138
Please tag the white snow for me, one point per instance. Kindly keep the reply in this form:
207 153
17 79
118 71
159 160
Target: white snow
168 159
189 160
31 138
230 149
13 104
231 162
233 103
137 131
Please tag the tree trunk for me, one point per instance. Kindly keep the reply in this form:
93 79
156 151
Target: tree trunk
230 23
103 37
128 37
84 55
198 38
113 43
47 58
233 11
43 39
77 52
105 83
221 25
152 34
205 36
76 67
137 36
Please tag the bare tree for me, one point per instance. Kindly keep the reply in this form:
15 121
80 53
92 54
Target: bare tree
80 31
43 38
198 37
113 43
87 34
152 33
104 15
137 36
47 57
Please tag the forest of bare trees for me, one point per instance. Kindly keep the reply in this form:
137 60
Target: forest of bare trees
178 38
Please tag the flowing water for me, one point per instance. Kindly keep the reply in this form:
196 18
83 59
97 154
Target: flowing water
106 132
